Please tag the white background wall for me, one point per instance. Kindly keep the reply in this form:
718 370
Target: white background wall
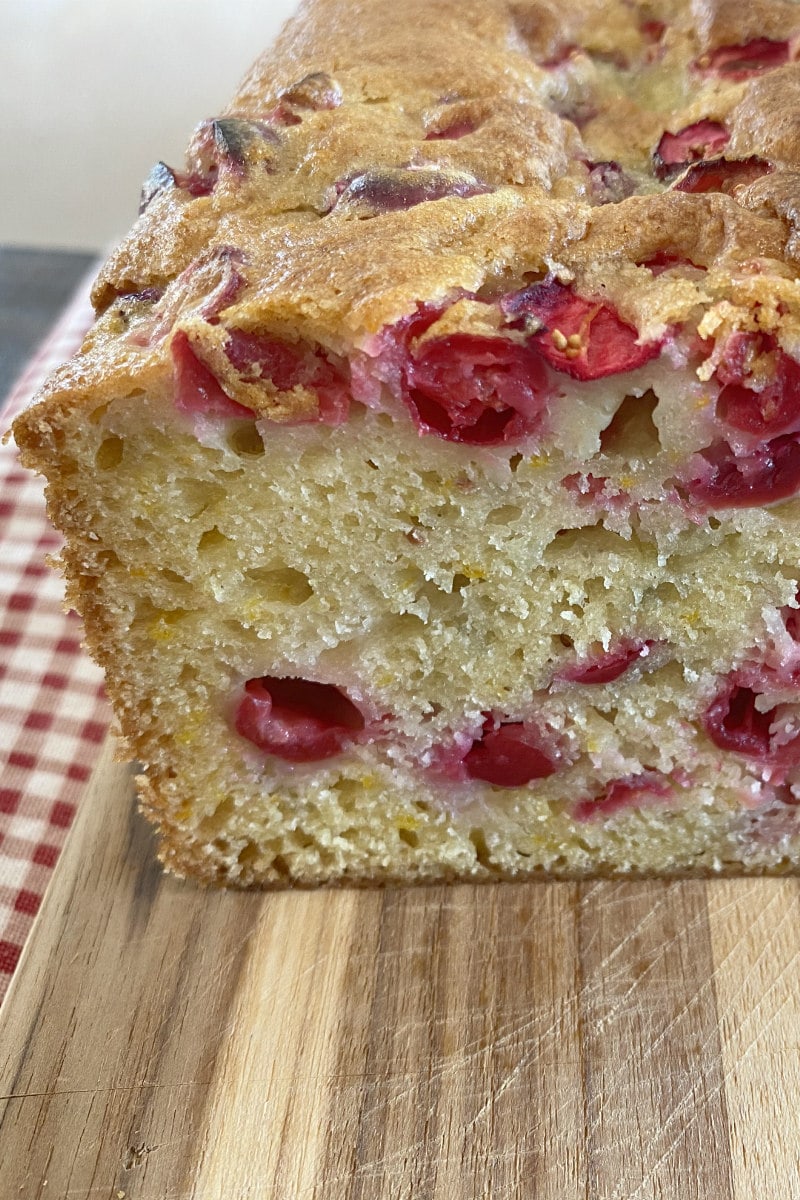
93 92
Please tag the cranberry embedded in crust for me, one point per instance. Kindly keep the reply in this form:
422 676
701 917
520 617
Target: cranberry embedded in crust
727 480
704 139
733 722
196 389
623 793
259 357
721 175
653 31
395 189
229 144
766 412
582 338
605 668
740 62
297 720
509 755
663 260
235 139
478 390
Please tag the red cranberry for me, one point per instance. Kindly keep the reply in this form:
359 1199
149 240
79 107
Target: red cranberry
768 474
653 31
392 189
605 668
703 140
791 619
509 755
297 719
477 390
259 357
733 722
583 338
196 389
721 175
773 409
740 62
236 139
628 792
664 261
229 144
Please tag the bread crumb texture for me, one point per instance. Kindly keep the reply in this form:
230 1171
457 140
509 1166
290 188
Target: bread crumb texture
430 476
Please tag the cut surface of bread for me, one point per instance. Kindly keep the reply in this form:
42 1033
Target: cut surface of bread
431 476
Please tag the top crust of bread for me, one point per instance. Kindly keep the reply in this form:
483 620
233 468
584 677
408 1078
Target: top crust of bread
546 91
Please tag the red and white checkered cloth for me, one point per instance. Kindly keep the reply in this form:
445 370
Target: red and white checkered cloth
53 711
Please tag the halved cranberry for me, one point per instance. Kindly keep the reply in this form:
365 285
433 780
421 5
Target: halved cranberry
768 474
773 409
628 792
605 668
259 357
733 722
704 139
196 389
297 719
478 390
583 338
230 144
509 755
740 62
721 175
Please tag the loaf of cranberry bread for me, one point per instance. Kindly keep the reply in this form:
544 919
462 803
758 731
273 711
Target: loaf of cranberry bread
431 476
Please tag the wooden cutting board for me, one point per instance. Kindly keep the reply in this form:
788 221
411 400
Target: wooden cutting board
593 1041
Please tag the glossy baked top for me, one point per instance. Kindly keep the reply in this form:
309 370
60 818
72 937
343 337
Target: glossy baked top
386 156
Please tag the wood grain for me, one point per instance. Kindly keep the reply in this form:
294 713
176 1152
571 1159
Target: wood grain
598 1041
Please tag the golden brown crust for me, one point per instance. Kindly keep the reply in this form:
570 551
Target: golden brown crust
765 121
723 23
534 94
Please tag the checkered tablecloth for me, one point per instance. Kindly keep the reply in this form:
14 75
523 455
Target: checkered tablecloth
53 711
